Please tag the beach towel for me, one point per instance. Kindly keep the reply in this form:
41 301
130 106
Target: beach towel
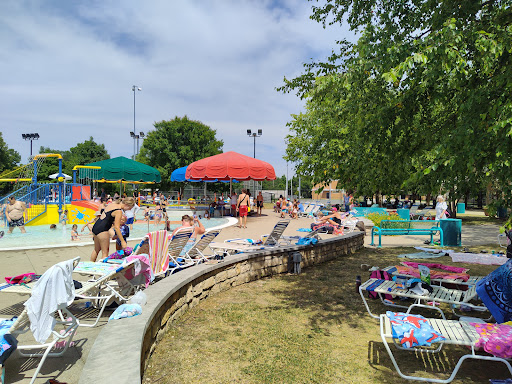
421 255
495 339
434 250
126 310
54 288
495 290
7 342
141 270
159 251
478 258
412 330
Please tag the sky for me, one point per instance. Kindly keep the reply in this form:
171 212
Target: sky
68 68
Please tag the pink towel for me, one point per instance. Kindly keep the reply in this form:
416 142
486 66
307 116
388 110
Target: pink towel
444 267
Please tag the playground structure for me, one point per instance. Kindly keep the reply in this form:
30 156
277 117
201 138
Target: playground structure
46 201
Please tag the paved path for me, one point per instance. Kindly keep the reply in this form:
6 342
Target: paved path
68 367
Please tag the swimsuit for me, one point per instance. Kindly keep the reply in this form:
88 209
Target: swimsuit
336 220
17 223
103 225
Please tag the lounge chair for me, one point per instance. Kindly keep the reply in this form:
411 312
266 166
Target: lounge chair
307 210
176 244
23 324
455 333
270 240
439 294
111 284
196 252
392 270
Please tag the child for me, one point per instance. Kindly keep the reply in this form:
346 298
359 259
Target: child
158 213
295 211
74 233
125 232
53 226
63 219
206 215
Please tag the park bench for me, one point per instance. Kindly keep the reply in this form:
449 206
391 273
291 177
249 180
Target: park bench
408 227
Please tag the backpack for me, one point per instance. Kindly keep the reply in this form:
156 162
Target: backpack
382 275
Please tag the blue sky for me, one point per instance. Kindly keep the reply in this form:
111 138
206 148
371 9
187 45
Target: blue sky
68 68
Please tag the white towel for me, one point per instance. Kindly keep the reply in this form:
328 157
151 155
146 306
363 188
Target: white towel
54 288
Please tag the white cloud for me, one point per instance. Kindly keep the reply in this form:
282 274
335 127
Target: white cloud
69 67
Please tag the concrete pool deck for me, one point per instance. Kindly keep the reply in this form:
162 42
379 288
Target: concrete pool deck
68 368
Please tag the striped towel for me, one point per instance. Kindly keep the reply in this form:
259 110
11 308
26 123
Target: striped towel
158 251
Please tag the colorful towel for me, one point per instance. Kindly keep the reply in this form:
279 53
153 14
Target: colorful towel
304 229
126 310
159 251
444 267
495 290
438 275
412 330
495 339
5 345
95 268
141 269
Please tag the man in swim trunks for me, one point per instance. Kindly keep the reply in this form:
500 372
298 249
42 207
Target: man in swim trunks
14 211
243 208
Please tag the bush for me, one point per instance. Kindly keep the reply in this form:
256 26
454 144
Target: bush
377 217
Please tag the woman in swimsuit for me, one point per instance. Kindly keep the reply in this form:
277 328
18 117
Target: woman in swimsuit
110 217
243 207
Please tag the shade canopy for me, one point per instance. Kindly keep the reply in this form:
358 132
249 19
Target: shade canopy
230 165
124 169
55 175
179 176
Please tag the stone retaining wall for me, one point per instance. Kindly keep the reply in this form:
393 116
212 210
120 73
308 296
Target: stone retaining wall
127 344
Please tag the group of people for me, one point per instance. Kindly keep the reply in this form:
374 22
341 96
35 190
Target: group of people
292 208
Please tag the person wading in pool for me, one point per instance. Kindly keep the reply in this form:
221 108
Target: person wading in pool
110 217
15 210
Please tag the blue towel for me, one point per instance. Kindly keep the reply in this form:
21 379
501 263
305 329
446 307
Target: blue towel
495 290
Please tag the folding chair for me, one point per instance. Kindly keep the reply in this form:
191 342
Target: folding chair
455 332
270 240
196 252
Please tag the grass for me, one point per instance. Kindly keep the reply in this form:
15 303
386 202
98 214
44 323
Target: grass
310 328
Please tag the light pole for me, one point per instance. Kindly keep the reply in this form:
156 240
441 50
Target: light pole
31 137
254 135
133 134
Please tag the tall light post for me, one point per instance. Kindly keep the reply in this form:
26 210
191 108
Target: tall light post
31 137
136 139
133 134
254 135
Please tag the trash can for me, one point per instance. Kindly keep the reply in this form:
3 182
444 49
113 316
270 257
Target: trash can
452 230
403 213
502 213
461 207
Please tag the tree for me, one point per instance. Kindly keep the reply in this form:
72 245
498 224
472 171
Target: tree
177 143
420 103
9 158
83 153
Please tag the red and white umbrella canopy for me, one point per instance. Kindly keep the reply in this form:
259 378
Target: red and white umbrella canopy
230 165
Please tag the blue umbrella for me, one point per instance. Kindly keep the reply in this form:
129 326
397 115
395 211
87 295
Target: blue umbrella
179 176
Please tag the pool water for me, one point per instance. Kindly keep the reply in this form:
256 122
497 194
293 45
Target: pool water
39 236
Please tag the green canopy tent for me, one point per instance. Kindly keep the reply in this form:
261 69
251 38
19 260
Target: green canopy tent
123 170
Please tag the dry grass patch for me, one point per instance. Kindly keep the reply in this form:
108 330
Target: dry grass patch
310 328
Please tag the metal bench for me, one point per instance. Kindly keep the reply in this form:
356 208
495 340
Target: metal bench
407 227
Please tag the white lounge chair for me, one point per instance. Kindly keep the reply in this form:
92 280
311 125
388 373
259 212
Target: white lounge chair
176 245
23 324
439 294
196 252
455 333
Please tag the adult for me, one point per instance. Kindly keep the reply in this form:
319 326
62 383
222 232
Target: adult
14 212
441 208
103 195
111 216
187 222
348 200
242 207
334 218
259 203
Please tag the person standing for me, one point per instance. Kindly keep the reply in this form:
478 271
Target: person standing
14 212
441 208
259 203
111 216
233 204
243 208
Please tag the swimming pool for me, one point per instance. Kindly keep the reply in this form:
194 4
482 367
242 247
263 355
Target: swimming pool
41 236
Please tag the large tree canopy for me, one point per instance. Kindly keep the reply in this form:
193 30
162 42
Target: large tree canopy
421 102
177 143
8 156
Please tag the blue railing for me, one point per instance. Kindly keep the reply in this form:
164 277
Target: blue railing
36 201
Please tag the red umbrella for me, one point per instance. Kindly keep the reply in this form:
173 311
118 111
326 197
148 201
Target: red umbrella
230 165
